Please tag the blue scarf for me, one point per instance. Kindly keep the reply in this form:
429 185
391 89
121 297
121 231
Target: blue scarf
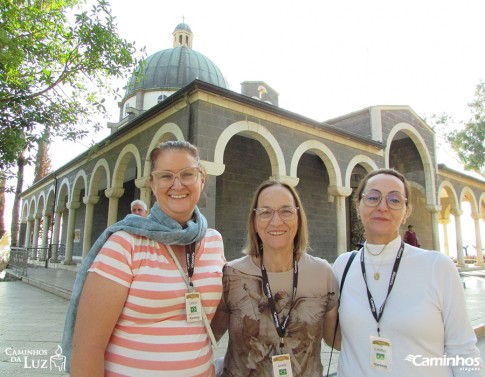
156 226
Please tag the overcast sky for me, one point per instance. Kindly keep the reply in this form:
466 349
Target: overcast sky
325 58
328 58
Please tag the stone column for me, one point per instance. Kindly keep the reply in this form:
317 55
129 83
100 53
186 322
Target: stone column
35 238
340 193
114 194
445 223
435 226
459 238
45 233
55 234
28 230
72 207
478 239
90 201
143 184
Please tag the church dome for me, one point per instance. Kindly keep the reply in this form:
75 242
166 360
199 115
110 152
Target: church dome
173 68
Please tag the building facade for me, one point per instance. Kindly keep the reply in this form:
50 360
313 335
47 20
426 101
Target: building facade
244 139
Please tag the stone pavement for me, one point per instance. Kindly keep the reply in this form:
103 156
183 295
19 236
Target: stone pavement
32 320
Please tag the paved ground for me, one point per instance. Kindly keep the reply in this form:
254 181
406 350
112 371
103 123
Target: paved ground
32 320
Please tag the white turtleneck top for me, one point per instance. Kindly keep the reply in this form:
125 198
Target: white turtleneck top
424 317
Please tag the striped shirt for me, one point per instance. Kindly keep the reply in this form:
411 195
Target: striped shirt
152 336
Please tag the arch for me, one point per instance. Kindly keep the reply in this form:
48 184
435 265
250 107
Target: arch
325 154
360 159
101 167
428 164
49 204
32 206
168 131
80 182
64 190
451 194
121 163
481 206
467 193
259 133
40 204
25 211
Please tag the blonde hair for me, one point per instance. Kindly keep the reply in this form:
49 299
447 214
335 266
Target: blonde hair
180 145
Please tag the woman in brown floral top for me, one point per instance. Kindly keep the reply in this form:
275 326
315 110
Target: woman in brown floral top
278 301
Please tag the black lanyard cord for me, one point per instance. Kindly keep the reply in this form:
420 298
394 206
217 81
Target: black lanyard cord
280 326
378 316
190 259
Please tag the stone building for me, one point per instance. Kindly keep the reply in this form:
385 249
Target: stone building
245 138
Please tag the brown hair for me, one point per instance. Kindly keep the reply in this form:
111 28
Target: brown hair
253 241
395 173
181 145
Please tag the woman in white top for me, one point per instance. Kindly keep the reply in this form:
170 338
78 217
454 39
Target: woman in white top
402 310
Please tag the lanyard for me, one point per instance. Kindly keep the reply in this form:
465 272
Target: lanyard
190 259
372 304
280 326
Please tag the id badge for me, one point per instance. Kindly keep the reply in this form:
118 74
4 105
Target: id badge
380 354
282 366
193 307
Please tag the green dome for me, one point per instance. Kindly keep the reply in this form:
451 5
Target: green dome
173 68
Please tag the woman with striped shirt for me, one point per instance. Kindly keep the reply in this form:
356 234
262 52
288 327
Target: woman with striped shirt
155 283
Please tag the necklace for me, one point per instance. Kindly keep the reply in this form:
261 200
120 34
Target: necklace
376 275
376 254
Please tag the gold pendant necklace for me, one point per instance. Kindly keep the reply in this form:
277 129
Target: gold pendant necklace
376 275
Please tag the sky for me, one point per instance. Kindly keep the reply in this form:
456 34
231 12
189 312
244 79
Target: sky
327 58
324 58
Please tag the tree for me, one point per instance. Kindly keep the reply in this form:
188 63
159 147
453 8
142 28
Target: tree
55 70
469 142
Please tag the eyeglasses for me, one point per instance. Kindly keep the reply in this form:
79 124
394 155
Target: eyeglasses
394 199
187 177
285 213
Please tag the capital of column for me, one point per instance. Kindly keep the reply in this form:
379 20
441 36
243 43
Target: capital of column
115 192
213 168
92 199
433 208
475 216
73 205
444 220
143 182
456 212
339 191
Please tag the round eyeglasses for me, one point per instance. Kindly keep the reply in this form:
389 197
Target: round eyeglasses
187 177
394 199
285 213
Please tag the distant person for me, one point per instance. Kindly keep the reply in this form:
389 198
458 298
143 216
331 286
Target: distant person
279 302
410 237
402 309
139 207
154 285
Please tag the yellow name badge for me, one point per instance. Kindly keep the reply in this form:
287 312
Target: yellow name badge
380 354
282 366
193 307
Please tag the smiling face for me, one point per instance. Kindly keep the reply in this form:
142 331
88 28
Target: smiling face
177 201
276 235
382 223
